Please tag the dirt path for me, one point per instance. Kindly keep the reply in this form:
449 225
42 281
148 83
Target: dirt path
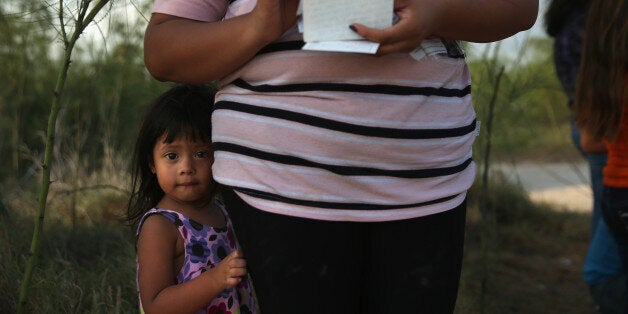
564 185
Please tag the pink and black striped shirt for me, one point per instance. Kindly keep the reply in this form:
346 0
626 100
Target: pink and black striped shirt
340 136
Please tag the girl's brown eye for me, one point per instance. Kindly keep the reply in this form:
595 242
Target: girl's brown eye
170 156
202 154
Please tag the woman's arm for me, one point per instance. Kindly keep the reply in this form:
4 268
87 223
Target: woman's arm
468 20
187 51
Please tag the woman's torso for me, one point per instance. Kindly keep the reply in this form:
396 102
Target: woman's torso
340 136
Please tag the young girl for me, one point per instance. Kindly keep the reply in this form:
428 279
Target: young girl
187 255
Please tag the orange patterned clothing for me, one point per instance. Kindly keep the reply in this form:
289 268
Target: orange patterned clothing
616 170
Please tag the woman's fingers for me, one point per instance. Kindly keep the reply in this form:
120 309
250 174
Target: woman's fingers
397 38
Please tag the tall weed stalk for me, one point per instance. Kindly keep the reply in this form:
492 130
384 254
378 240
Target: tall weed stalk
488 218
83 19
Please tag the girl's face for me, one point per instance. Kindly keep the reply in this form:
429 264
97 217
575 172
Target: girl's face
183 169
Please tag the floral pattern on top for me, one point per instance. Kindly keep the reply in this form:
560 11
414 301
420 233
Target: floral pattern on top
205 247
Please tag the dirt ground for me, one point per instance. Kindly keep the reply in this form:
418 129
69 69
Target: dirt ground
534 262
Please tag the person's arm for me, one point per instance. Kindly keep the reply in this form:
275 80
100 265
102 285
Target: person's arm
187 51
158 291
467 20
590 144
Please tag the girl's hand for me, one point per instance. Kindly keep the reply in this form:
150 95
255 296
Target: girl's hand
231 269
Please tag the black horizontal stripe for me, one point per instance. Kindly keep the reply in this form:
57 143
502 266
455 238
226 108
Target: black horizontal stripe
335 205
282 46
356 88
341 170
453 49
343 126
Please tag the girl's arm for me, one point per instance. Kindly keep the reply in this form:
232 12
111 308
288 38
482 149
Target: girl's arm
156 249
468 20
187 51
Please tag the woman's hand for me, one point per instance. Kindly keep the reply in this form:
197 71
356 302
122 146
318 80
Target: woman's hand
189 51
475 21
274 17
415 20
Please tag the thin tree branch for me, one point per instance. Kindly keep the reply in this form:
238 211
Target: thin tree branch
487 215
80 23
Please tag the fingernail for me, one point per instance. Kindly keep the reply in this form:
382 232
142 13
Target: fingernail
353 28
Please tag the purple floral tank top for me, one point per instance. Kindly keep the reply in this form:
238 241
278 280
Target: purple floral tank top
205 247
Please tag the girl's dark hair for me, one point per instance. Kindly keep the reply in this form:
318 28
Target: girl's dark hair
600 89
183 110
559 11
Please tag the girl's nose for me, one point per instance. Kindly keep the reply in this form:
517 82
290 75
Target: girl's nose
186 166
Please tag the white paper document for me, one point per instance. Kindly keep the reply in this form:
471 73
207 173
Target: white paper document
326 23
359 46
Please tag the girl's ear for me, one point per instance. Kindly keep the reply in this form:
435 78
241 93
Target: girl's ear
151 165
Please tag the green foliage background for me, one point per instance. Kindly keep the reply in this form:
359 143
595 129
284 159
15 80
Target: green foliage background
87 262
